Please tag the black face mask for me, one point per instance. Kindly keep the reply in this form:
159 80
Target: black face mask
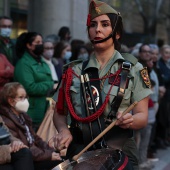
38 49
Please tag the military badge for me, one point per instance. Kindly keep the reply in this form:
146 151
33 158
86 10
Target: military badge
97 10
95 94
145 77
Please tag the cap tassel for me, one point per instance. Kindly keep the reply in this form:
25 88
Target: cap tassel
88 20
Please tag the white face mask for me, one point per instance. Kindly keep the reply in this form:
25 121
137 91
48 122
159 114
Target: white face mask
5 32
22 106
84 56
67 55
48 54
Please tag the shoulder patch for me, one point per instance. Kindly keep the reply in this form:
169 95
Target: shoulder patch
145 77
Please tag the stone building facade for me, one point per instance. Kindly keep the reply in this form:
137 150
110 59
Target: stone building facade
47 16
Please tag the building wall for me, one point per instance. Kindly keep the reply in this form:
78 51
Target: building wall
46 17
1 7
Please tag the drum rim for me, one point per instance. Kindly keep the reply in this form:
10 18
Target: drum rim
91 153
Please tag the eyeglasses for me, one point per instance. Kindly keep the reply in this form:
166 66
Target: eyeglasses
144 51
48 48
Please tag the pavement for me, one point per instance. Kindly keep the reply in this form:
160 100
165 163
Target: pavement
164 159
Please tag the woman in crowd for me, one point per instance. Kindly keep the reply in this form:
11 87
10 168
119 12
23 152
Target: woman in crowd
14 155
104 25
62 55
13 109
64 34
80 53
47 57
34 74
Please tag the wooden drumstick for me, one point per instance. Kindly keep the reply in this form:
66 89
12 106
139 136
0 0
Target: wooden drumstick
104 132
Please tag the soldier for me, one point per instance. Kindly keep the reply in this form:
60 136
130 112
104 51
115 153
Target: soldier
99 90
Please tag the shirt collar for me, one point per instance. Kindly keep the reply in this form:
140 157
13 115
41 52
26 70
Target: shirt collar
95 64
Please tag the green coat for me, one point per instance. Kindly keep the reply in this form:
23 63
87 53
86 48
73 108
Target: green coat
36 79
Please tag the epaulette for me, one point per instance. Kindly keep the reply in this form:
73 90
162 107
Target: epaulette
129 57
71 64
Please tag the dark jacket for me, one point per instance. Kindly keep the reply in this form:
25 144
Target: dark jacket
165 74
40 149
8 49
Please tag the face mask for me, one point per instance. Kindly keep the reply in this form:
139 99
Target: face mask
5 32
22 106
38 49
48 54
84 56
67 55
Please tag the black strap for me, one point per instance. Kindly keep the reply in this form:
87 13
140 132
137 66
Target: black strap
126 66
117 135
98 125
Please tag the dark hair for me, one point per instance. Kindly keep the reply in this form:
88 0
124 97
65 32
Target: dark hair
9 90
24 39
141 47
62 32
118 29
76 52
58 49
89 47
75 43
5 17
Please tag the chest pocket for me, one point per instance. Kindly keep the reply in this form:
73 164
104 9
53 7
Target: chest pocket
75 95
114 91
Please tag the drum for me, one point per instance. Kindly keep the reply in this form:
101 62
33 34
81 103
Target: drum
101 159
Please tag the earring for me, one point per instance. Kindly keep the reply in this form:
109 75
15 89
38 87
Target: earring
117 36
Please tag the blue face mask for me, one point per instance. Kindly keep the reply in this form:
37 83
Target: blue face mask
5 32
83 57
67 55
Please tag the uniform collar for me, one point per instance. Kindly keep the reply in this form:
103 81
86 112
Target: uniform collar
93 63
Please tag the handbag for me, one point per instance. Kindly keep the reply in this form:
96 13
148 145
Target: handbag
47 129
4 135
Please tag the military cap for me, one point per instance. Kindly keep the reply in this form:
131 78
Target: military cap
97 8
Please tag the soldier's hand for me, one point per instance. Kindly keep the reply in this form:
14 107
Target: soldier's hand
124 121
62 140
55 156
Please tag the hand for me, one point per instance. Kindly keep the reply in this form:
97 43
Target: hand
125 121
55 156
16 146
55 86
162 91
62 140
